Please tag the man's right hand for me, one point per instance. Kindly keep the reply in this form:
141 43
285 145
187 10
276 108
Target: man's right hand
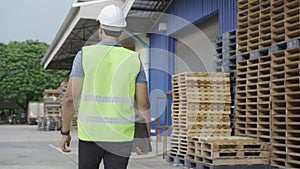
65 141
139 151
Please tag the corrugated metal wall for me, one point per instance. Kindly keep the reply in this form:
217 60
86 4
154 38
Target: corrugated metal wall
190 11
196 10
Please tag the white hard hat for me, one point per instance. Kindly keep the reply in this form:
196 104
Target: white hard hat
112 18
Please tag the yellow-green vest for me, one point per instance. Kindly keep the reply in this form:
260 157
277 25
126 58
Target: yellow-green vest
106 111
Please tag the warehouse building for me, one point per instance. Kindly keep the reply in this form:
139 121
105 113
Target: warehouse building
165 49
255 42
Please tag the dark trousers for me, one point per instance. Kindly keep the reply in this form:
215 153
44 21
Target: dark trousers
114 155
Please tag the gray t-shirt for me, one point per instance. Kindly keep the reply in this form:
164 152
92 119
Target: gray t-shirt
77 68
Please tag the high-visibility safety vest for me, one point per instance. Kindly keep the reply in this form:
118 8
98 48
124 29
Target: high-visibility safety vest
106 111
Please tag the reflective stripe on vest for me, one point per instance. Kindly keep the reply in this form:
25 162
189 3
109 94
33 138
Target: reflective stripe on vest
107 99
106 111
105 120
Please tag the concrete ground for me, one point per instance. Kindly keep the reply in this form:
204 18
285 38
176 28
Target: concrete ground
24 147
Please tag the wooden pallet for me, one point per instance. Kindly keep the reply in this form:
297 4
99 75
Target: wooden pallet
199 99
204 89
194 164
54 94
201 107
226 140
210 150
206 124
177 159
52 99
52 112
241 161
247 144
206 132
201 74
235 154
243 5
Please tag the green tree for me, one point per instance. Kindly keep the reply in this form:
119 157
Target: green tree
22 76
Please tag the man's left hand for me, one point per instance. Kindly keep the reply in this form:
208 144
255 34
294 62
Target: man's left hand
65 141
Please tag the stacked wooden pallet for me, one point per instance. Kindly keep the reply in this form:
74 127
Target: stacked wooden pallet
253 98
52 109
268 101
254 25
201 107
267 91
285 97
232 150
225 47
285 20
262 23
52 106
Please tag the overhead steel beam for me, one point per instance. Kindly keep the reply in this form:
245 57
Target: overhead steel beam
146 9
127 6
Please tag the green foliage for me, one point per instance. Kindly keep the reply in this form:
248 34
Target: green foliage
22 76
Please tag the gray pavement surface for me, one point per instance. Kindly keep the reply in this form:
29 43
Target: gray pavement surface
24 147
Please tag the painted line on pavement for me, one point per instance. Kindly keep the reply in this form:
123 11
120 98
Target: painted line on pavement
65 154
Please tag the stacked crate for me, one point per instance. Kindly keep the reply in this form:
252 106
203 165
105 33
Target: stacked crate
218 53
278 23
285 108
229 51
267 91
225 47
201 107
292 115
228 151
292 19
253 98
242 32
278 146
52 106
285 20
254 25
52 109
265 30
262 23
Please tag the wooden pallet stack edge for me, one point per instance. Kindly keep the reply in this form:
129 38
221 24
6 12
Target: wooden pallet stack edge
201 107
231 150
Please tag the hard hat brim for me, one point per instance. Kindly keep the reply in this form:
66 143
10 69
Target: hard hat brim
112 28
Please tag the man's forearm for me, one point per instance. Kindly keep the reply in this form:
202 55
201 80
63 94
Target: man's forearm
145 114
142 102
68 112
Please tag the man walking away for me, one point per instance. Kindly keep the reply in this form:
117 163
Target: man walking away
106 79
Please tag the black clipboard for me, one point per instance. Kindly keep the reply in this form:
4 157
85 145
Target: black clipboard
141 137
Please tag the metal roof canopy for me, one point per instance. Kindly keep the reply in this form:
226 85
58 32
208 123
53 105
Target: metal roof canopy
144 14
80 27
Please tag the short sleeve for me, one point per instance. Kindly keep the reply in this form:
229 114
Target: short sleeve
141 77
77 68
